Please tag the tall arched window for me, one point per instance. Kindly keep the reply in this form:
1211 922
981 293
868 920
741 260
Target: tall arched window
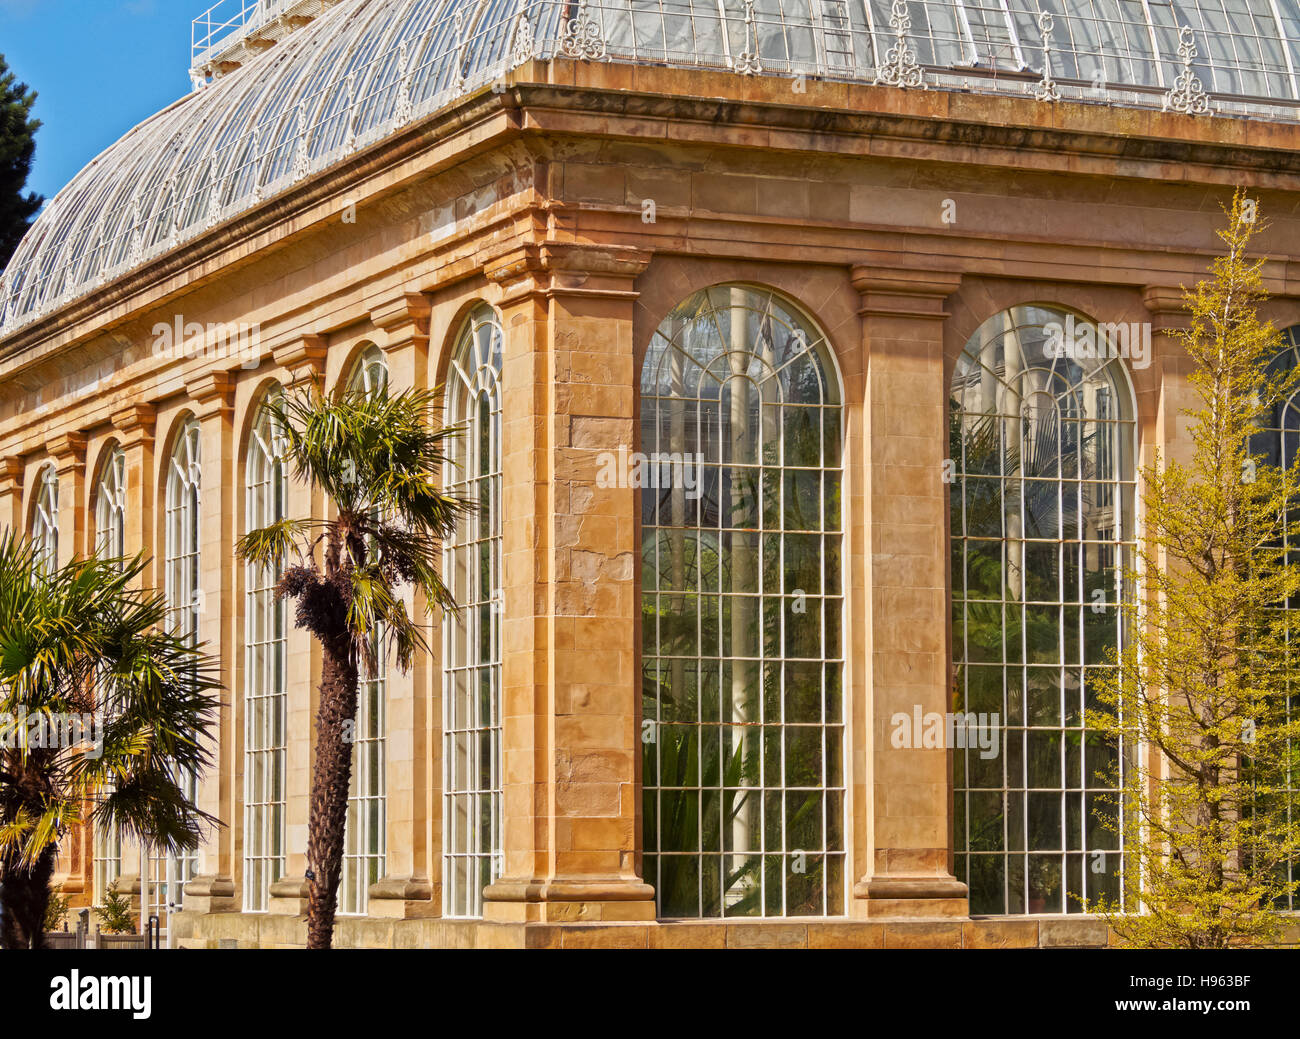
110 507
184 599
1042 532
181 573
365 849
472 638
1278 444
265 674
742 610
45 518
110 543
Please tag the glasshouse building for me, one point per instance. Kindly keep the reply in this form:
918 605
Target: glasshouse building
751 311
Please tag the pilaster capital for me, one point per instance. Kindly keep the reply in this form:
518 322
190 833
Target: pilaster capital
404 320
1166 305
303 358
902 292
569 269
213 393
135 423
68 451
11 474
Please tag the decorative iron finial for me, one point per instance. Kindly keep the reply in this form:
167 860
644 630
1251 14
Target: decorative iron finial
523 49
458 21
215 192
174 225
350 135
900 68
136 251
1046 89
1187 95
255 158
583 37
747 62
301 158
403 109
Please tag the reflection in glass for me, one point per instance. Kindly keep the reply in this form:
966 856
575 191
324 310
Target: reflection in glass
1277 444
472 780
365 840
184 600
743 781
265 675
45 519
1042 530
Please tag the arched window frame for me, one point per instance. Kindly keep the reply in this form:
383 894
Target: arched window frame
265 673
1026 828
183 595
743 738
110 507
472 568
365 849
45 518
1279 443
110 543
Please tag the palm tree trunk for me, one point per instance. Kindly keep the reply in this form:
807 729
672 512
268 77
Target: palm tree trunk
24 897
331 778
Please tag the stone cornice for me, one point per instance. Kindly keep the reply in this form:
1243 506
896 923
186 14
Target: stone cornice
618 102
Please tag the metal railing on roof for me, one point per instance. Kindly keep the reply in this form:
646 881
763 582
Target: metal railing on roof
226 19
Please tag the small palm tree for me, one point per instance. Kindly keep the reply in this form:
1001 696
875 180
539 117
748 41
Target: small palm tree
378 458
81 641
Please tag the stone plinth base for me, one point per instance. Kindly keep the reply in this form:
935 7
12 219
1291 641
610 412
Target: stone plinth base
210 894
267 931
607 900
288 897
403 898
913 896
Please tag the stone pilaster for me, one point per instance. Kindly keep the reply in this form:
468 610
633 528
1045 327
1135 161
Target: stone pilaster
411 885
303 362
68 450
212 398
135 429
1160 428
135 426
571 687
11 495
68 453
908 656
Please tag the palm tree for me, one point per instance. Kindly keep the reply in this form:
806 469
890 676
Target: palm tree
377 457
78 641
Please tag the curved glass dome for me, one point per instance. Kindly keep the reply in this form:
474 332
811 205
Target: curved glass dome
365 68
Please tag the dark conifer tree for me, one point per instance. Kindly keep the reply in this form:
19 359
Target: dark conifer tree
17 149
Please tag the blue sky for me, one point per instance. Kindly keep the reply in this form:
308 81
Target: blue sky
99 66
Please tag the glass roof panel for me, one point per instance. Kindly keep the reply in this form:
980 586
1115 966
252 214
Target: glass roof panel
365 68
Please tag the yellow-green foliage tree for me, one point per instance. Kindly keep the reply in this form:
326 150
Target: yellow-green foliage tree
1208 819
